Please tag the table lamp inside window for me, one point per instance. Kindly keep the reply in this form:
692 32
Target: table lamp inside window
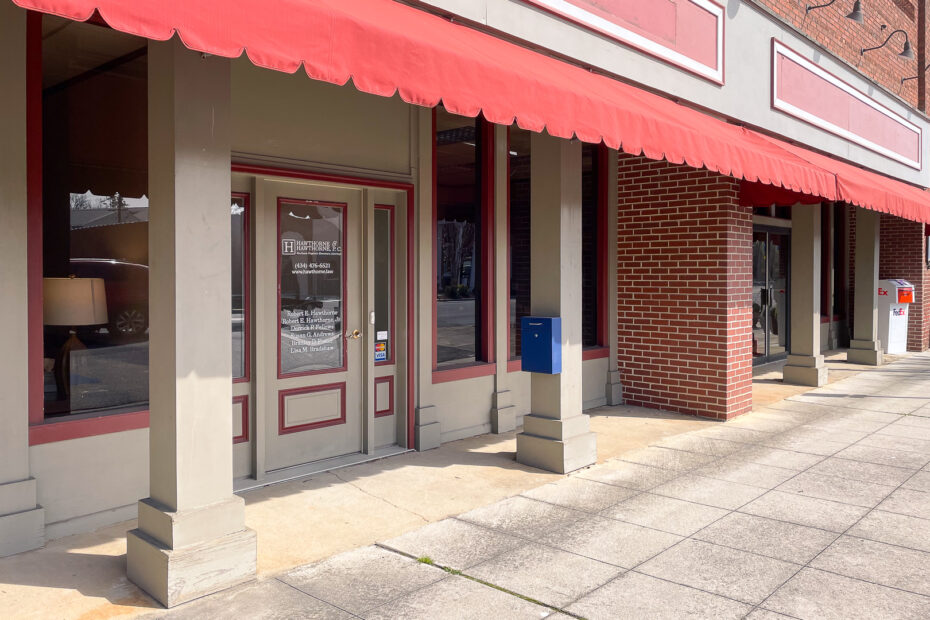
72 302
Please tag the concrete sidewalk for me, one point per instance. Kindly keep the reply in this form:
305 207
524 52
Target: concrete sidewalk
814 507
691 521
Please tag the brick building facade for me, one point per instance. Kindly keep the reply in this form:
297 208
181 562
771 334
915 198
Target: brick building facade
830 29
684 269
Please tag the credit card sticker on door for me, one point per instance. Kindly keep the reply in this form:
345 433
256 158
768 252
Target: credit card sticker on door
380 351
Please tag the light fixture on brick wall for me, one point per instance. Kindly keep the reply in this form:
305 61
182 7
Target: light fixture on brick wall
855 14
913 77
906 51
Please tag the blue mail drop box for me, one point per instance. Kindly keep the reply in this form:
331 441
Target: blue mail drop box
541 344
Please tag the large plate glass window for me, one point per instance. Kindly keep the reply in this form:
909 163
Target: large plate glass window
94 219
458 239
590 267
519 231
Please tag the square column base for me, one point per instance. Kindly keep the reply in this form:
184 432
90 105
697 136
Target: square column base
613 390
503 413
561 451
805 370
865 352
175 576
22 521
427 432
22 531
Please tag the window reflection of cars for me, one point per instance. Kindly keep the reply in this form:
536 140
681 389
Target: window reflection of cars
127 287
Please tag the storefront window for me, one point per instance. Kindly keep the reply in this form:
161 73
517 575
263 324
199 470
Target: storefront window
95 219
458 239
312 286
519 223
590 269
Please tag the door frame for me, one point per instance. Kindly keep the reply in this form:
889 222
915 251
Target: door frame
770 229
408 189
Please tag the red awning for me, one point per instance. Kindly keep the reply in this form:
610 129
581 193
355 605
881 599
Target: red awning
386 47
868 189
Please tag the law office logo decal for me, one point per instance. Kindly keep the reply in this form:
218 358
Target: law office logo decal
288 247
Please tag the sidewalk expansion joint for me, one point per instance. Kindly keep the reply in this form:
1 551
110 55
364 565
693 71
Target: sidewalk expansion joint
460 573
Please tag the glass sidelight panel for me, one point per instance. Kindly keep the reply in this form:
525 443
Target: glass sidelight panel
311 272
770 295
778 284
384 284
759 294
238 270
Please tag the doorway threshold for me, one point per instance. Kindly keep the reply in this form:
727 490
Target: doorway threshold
296 472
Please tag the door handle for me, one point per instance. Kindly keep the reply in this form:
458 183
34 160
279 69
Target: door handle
353 335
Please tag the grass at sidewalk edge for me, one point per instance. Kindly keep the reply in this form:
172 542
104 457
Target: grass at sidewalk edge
458 573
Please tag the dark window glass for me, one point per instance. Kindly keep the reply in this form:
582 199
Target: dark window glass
95 218
458 235
312 287
590 312
238 218
839 260
519 157
384 284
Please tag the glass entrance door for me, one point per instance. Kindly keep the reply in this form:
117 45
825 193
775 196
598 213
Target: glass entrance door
770 295
332 333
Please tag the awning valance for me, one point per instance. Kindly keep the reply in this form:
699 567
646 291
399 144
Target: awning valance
868 189
386 47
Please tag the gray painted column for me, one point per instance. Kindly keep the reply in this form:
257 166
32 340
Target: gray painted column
865 347
191 538
556 435
427 428
503 412
22 521
805 363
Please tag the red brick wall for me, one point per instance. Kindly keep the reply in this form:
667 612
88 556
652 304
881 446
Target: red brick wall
684 304
901 255
829 28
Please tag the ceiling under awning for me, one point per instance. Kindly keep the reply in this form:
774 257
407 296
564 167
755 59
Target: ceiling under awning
387 48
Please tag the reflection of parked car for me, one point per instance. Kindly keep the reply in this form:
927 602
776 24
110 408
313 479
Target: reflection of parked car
127 286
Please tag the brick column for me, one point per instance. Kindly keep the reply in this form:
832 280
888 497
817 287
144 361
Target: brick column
684 289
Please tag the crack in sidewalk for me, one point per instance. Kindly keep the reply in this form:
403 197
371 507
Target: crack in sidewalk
378 497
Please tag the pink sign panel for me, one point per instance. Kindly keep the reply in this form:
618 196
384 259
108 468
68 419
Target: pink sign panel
808 92
687 33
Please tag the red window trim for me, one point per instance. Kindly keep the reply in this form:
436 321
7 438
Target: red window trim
345 271
243 437
595 353
389 410
246 289
283 429
469 371
392 303
485 354
63 430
